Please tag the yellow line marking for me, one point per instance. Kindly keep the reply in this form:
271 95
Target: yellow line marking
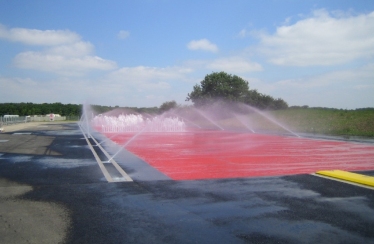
101 165
343 181
120 170
348 176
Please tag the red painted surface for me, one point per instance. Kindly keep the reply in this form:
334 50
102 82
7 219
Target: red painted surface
219 154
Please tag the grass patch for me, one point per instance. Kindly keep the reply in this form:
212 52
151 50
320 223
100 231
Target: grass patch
358 122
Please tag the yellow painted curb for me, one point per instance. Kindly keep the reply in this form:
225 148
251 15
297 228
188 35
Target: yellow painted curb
348 176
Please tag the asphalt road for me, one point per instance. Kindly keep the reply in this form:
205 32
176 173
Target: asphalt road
53 191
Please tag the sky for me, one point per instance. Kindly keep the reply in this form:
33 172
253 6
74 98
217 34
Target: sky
143 53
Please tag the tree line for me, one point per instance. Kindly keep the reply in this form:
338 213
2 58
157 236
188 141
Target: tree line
99 109
26 109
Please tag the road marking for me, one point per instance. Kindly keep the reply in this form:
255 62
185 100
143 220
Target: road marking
119 169
348 176
125 176
355 183
102 167
4 140
22 133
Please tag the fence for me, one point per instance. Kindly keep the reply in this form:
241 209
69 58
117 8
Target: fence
9 120
4 120
73 118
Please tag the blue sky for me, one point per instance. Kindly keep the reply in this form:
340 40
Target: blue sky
145 52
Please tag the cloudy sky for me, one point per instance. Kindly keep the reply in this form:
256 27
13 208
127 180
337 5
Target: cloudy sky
145 52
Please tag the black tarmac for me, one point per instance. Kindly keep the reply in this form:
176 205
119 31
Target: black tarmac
51 164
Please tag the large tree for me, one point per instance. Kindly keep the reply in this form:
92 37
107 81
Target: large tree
219 85
232 88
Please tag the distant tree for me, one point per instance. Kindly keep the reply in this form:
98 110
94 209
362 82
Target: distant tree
219 85
167 106
280 104
262 101
24 109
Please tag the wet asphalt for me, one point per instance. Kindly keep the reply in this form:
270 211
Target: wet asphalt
55 160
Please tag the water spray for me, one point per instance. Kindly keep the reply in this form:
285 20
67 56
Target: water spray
240 120
270 119
210 120
128 142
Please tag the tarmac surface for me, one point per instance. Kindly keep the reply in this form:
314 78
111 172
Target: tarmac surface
52 190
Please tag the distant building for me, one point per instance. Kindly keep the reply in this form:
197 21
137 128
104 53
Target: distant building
8 116
55 115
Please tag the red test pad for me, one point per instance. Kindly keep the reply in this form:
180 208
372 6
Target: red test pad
222 154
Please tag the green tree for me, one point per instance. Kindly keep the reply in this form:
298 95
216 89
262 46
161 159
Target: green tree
280 104
262 101
232 88
24 109
219 85
167 106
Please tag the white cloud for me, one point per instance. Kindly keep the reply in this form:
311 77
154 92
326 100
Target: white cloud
77 49
39 37
351 77
203 44
63 52
231 64
243 33
24 88
128 86
144 86
234 65
352 88
123 34
321 39
63 65
148 78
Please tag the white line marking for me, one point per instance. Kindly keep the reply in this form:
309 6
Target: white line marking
4 140
102 167
344 181
22 133
120 170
